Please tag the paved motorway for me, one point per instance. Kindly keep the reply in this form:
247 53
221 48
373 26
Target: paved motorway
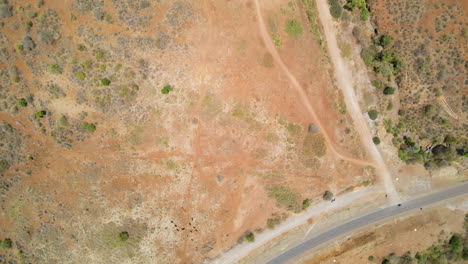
368 219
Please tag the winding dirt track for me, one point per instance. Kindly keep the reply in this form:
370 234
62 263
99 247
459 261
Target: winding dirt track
344 79
303 96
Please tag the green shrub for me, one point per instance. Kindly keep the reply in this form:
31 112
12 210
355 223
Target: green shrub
365 14
250 237
370 258
449 139
369 54
293 27
28 24
55 69
19 47
105 81
6 243
88 127
305 204
166 89
376 140
80 75
4 166
373 114
335 9
99 54
123 236
22 102
327 195
385 40
40 114
389 90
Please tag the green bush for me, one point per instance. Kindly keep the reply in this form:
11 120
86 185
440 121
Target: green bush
456 243
22 102
99 54
28 24
166 89
376 140
450 139
250 237
389 90
373 114
6 243
105 81
88 127
19 47
40 114
293 27
80 75
369 54
335 9
305 204
370 258
365 14
4 166
385 40
55 69
123 236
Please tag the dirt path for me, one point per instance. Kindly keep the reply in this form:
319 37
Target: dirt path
344 78
241 251
303 96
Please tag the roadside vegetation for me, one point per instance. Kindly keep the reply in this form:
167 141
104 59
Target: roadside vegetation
452 250
417 75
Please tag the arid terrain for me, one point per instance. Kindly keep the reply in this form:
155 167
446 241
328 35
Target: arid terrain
162 132
176 131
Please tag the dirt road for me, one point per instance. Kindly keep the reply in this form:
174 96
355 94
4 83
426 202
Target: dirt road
344 79
300 90
243 250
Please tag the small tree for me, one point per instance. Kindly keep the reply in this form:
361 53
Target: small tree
385 40
40 114
370 258
22 102
105 81
6 243
335 11
373 114
389 90
305 204
123 236
88 127
166 89
55 69
250 237
376 140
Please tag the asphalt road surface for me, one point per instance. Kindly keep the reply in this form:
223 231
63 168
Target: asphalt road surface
368 219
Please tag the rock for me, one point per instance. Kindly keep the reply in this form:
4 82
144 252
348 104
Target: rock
313 129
